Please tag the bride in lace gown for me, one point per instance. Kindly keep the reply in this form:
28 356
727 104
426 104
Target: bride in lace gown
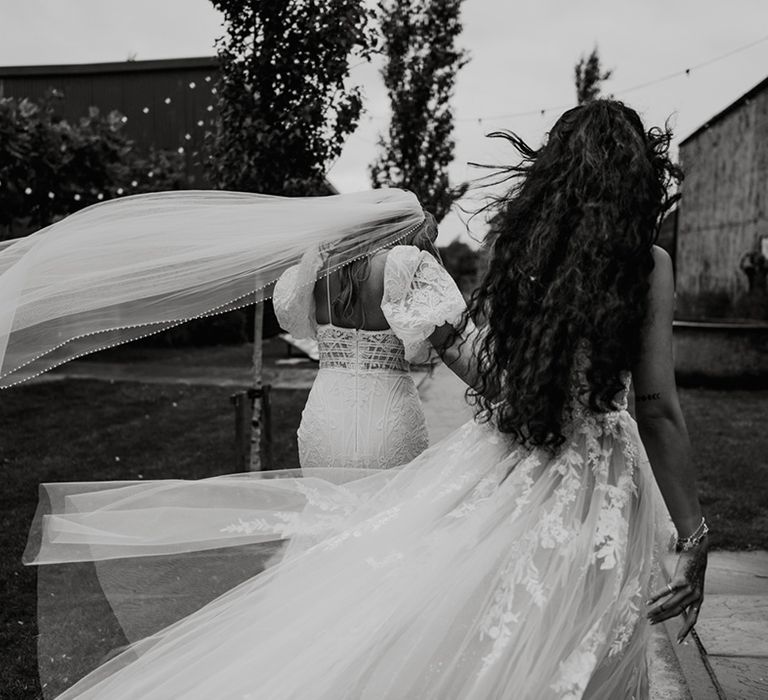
516 558
364 410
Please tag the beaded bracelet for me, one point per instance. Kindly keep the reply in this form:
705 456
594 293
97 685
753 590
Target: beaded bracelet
685 544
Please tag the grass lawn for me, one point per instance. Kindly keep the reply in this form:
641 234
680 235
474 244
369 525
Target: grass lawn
88 430
730 452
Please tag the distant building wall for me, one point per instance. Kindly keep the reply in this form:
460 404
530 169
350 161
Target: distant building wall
723 212
168 104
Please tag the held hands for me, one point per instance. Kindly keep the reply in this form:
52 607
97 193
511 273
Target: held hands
684 594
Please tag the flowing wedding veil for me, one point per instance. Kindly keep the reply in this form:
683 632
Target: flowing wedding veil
135 557
131 267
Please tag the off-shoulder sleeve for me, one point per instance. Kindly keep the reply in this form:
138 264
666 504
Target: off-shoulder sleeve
419 296
294 300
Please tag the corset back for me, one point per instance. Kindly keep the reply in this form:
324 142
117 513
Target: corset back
360 350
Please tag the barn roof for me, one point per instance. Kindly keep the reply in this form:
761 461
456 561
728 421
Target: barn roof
745 98
116 67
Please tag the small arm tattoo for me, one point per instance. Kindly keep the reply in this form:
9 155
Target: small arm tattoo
648 397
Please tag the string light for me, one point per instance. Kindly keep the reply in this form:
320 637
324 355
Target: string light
200 122
192 85
145 110
99 196
167 100
77 197
559 108
51 195
134 183
120 190
27 190
180 150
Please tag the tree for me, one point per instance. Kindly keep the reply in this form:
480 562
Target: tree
285 108
421 64
51 167
589 75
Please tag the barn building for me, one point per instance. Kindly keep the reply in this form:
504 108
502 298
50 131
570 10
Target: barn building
168 104
721 245
722 231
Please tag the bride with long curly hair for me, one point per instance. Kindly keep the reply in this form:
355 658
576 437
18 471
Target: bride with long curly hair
516 558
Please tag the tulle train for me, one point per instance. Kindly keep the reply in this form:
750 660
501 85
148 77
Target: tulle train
480 570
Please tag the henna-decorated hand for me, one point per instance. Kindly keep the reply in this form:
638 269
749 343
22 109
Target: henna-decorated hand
685 592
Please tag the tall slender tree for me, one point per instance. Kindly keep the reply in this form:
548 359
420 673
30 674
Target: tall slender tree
589 76
285 106
420 69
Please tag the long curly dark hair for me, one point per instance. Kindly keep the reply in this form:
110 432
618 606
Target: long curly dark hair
570 256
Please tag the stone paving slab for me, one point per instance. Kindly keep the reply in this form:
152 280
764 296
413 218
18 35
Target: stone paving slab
734 625
737 573
742 678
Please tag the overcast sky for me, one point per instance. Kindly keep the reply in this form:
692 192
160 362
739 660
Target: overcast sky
522 58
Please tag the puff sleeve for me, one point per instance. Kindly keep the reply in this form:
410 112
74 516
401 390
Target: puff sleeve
293 297
419 296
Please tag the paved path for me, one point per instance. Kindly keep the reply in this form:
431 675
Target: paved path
442 395
733 626
280 376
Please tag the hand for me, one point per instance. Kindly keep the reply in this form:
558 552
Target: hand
684 594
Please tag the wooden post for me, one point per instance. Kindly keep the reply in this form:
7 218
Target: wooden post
255 464
243 411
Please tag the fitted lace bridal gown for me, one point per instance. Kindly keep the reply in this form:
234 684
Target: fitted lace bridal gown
364 409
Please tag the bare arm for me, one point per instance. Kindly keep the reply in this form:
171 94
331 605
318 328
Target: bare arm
665 437
459 356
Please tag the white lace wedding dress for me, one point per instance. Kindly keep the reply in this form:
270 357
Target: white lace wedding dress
364 409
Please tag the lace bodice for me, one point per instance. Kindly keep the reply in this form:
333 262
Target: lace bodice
360 350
